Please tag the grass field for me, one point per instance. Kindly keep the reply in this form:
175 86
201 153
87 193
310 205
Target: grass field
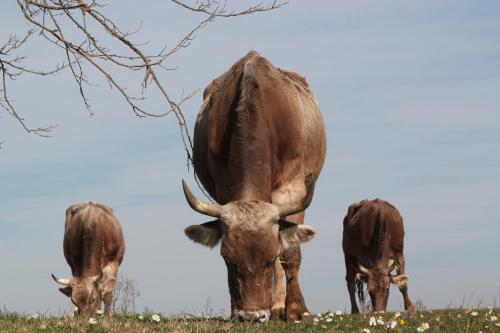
463 320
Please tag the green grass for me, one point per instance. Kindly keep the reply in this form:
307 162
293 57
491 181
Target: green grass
456 321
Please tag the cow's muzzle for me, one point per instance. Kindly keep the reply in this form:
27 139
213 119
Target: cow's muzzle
255 315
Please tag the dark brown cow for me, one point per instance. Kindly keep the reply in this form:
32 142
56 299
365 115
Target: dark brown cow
259 146
94 248
373 247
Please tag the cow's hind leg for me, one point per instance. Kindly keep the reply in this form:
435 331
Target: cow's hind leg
403 287
350 279
295 306
279 292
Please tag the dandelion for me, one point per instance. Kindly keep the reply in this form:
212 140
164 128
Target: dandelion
92 321
329 320
372 322
392 324
156 318
401 322
474 313
366 330
338 313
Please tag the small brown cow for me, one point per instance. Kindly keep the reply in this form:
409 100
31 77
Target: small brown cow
94 249
373 247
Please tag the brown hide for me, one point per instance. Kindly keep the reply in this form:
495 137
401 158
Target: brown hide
373 241
93 247
259 145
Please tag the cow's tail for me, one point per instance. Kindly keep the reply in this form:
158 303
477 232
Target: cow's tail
361 293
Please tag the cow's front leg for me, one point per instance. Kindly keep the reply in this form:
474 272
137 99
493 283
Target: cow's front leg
403 287
279 292
108 299
295 307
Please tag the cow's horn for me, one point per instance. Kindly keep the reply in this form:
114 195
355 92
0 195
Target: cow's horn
363 269
295 207
390 264
200 206
61 281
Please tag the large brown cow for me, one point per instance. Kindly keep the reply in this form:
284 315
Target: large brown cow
259 146
373 241
94 249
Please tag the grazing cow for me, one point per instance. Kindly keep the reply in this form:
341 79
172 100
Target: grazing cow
373 248
259 146
94 248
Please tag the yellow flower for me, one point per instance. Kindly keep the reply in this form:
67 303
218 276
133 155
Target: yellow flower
401 322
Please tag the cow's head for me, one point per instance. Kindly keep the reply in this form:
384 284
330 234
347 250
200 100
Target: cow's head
86 292
378 281
252 236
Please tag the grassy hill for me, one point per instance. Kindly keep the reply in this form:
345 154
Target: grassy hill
462 320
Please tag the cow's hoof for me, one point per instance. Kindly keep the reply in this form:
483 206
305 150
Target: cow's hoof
297 312
278 314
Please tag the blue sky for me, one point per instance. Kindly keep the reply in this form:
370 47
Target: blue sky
410 96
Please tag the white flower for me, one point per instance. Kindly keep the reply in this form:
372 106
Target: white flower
156 318
92 321
474 313
297 322
99 312
366 330
423 327
315 320
391 324
141 317
74 308
493 318
35 316
328 320
372 322
380 321
338 312
397 314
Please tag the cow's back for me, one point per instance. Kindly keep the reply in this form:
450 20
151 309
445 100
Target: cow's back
364 221
288 132
93 237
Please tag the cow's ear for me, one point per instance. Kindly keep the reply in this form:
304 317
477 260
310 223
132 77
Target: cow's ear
292 234
208 234
399 280
66 291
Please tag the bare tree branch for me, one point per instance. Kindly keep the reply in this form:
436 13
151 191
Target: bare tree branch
218 9
92 42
